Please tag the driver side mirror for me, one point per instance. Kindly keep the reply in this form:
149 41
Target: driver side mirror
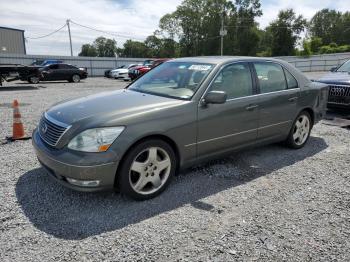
333 69
215 97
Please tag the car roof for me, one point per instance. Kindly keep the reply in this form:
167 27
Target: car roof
59 64
221 59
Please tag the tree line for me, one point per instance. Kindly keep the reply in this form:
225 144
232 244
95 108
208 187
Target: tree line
193 29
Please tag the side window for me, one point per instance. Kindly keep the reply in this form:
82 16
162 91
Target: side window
235 80
53 67
64 66
270 76
291 81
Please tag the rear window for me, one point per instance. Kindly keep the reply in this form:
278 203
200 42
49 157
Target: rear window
270 76
63 66
53 67
291 81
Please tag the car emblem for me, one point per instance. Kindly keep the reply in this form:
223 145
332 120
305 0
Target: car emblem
44 128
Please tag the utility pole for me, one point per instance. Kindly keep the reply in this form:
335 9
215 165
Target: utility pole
70 38
223 32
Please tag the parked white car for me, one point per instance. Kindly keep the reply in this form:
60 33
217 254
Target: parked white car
121 73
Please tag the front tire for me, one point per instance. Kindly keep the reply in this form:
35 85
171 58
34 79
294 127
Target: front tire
147 169
300 132
75 78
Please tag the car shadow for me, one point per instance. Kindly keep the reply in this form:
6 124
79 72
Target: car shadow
58 82
67 214
49 82
338 113
20 88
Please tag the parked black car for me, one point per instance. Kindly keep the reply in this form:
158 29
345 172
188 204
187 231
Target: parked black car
62 72
339 86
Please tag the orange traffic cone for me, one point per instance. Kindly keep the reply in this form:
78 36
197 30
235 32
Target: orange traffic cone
18 129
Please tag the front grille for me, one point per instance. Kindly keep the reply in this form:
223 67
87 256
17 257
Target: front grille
339 94
51 132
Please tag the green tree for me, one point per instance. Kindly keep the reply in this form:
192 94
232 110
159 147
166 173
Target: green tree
105 47
134 49
344 37
102 47
326 24
161 47
169 48
306 49
285 32
248 36
169 24
88 50
265 43
315 44
196 23
154 45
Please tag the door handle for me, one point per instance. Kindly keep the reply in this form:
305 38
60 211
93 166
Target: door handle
293 99
251 107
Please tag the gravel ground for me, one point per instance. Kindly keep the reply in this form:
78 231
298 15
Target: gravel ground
268 204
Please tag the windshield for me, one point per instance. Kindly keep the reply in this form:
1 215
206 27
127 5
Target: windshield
147 62
173 79
344 67
132 65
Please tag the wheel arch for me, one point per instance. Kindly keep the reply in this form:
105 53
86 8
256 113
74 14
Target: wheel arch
311 113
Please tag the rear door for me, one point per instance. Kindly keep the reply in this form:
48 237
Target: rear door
279 94
65 72
222 127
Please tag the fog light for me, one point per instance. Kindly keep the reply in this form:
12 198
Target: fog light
83 183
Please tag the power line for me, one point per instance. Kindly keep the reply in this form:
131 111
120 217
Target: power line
112 33
249 26
57 30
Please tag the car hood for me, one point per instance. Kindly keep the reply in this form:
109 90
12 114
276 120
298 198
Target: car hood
115 104
120 70
336 78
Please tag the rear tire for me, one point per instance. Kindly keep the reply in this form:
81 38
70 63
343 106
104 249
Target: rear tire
147 169
300 131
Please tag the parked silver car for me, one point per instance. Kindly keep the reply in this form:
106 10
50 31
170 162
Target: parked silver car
181 113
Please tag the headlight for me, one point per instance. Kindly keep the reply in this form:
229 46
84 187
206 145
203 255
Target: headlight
95 140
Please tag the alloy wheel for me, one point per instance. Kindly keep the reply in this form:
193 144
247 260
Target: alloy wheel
150 170
301 130
76 78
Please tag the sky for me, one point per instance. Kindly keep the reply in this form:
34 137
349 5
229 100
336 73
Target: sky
135 19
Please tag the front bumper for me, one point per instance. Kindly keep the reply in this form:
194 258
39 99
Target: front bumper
133 75
60 170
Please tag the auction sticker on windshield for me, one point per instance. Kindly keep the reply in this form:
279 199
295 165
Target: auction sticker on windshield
200 67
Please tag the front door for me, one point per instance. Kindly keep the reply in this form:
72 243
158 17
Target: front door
279 94
51 72
222 127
